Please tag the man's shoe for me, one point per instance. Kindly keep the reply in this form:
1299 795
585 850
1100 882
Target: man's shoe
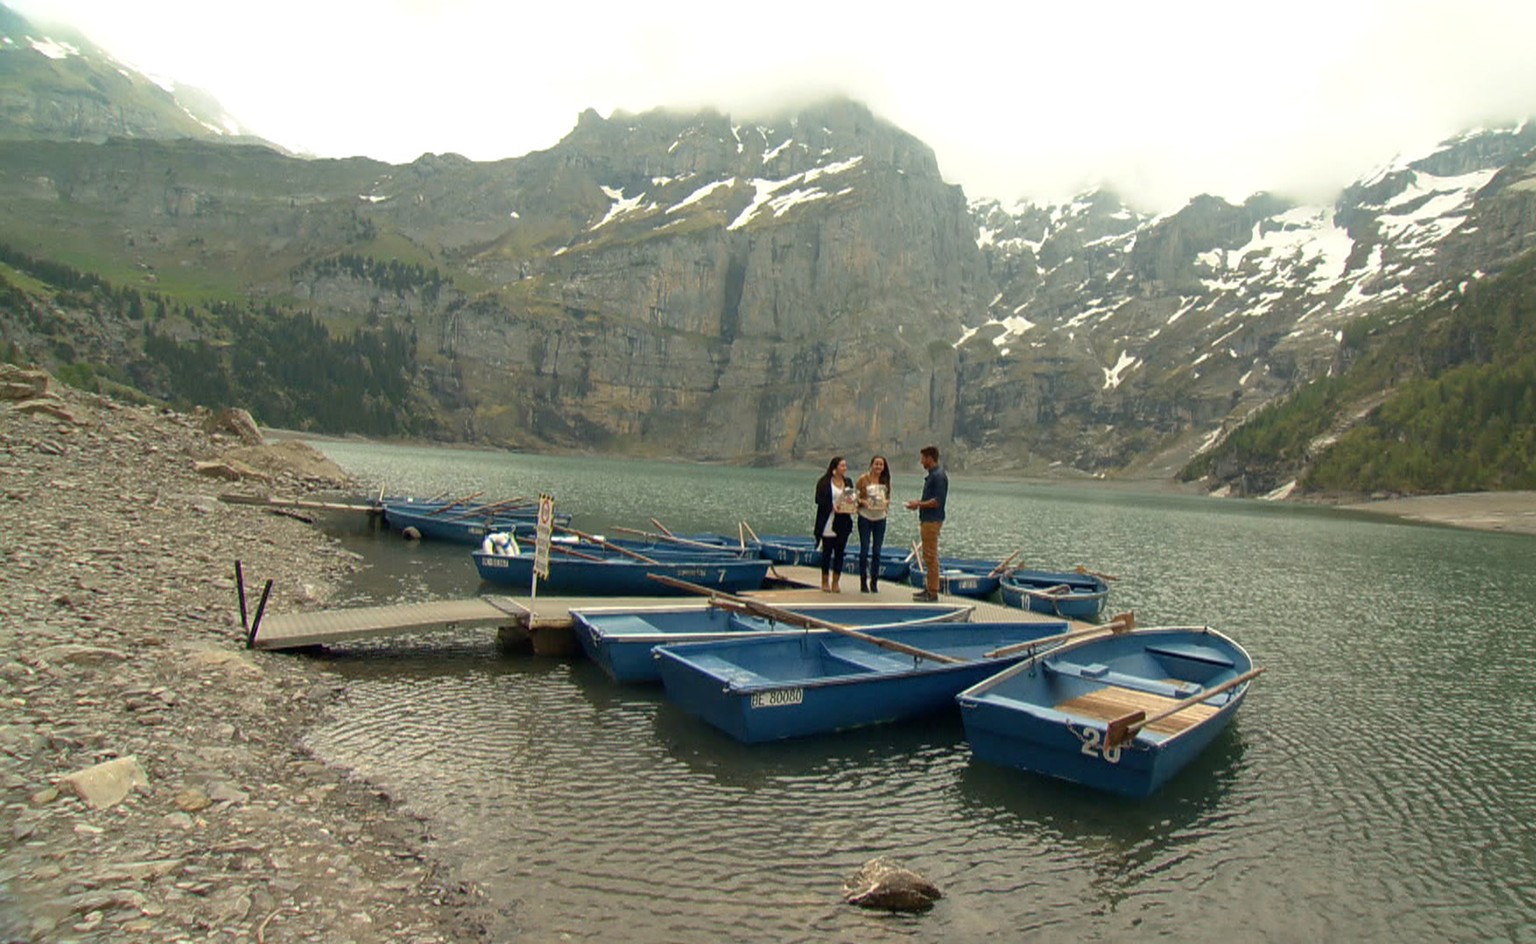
926 597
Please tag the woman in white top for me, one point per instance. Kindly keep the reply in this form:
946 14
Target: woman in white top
874 491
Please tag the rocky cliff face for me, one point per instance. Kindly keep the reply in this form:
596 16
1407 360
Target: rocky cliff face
685 285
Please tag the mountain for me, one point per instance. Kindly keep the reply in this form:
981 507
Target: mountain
1120 343
770 289
57 85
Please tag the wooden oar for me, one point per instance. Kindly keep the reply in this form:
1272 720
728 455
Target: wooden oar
661 527
1123 623
1125 727
1093 573
572 552
1055 591
800 619
749 530
674 539
456 501
612 547
490 509
1006 561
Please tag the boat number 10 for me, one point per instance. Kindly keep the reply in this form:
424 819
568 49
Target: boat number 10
1093 744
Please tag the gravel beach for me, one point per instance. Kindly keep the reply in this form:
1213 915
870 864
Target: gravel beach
154 783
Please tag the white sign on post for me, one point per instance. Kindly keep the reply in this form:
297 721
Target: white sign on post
545 528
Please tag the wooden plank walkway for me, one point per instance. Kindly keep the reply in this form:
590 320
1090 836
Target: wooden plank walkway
320 627
550 624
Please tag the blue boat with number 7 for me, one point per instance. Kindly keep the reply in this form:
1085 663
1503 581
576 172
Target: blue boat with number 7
1117 712
620 639
799 684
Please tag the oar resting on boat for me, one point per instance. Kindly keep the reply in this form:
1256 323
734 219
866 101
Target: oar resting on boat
810 622
612 547
1124 728
671 538
1122 623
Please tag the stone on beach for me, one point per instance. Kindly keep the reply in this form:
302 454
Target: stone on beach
107 784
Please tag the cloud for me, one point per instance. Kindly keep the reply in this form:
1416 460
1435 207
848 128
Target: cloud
1163 101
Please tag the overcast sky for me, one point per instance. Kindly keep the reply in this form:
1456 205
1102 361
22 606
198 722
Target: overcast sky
1162 100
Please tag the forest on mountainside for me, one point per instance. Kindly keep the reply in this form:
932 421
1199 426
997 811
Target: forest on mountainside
284 365
1434 400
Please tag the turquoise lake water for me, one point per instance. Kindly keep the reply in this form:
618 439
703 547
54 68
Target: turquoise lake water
1378 784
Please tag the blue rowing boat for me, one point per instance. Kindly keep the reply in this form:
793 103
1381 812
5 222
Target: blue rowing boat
1121 713
804 552
960 576
620 639
460 524
798 684
1068 594
598 571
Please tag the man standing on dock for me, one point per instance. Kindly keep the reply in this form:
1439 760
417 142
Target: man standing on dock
930 518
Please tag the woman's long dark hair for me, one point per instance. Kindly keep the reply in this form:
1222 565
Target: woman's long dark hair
827 476
885 471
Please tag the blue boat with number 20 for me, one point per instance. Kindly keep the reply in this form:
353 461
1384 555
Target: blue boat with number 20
1121 713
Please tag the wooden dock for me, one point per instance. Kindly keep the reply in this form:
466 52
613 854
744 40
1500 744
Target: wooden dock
546 626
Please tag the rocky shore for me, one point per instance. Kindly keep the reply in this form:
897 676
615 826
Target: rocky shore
151 768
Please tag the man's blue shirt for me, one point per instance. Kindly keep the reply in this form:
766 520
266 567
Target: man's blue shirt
936 487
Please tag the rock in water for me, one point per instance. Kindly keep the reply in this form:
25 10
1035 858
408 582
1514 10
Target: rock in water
883 883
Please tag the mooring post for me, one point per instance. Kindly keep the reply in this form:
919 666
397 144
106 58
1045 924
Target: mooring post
250 639
245 624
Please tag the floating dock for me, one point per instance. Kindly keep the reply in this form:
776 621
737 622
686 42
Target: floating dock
545 622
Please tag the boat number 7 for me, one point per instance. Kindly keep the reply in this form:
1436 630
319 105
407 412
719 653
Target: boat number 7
1093 744
722 575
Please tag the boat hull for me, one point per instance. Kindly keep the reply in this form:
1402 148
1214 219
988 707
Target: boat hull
789 686
621 576
972 579
803 552
1084 598
1049 716
621 640
435 524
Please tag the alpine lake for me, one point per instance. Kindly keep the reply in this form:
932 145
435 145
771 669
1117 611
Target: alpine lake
1378 785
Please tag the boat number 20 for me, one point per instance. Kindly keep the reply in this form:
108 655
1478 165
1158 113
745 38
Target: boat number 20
1093 744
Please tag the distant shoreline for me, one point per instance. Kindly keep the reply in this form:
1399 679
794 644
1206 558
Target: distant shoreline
1513 512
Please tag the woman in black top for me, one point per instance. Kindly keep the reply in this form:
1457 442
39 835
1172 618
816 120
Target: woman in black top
835 504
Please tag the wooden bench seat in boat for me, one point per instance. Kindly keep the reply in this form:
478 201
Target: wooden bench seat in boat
1111 702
